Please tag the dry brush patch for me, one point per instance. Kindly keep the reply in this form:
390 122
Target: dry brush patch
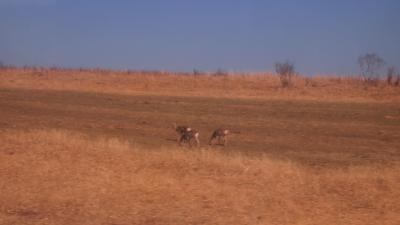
58 177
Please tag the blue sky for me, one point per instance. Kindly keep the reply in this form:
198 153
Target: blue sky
320 37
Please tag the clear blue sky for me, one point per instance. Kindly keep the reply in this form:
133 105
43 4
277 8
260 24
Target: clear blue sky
324 36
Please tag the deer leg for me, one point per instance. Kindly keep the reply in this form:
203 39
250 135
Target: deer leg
181 139
225 140
211 140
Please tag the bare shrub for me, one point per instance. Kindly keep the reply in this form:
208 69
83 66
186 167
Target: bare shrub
286 72
391 73
370 65
397 82
197 72
392 76
220 73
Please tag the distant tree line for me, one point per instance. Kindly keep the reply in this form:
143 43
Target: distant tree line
371 66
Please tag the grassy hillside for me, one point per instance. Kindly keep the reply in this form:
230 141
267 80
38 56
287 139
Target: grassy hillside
97 147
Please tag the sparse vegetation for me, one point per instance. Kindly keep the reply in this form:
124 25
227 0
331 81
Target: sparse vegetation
286 72
393 77
370 65
255 85
220 73
197 72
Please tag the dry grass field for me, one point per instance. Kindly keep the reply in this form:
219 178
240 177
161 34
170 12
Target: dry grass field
57 177
97 147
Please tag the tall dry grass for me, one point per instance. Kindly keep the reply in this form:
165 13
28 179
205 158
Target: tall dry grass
57 177
260 85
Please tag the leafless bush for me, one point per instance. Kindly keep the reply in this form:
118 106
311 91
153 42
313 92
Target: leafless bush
197 72
370 65
393 76
220 72
397 82
286 72
390 75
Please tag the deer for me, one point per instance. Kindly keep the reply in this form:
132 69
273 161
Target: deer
218 134
187 134
180 130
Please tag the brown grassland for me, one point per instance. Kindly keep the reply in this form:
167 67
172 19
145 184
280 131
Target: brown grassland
97 147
